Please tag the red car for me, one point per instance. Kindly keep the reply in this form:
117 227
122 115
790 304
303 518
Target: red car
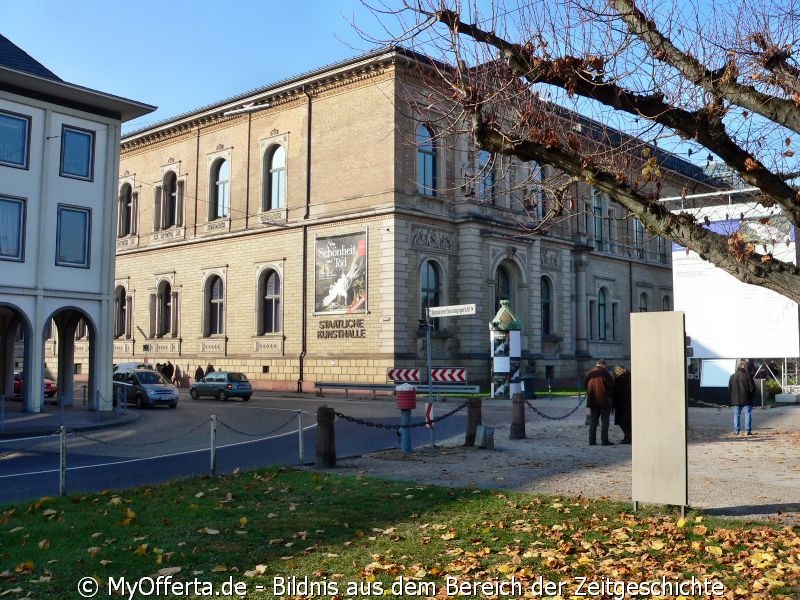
50 387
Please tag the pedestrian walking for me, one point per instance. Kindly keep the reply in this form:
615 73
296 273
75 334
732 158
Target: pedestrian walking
742 390
199 374
599 388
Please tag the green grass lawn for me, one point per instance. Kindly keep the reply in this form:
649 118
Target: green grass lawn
299 534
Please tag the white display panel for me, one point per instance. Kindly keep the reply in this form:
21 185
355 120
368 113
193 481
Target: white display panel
727 318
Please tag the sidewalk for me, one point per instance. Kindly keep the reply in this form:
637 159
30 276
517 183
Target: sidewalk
755 477
16 423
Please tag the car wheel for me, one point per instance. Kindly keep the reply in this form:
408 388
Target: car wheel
173 405
221 396
246 398
140 403
193 393
51 394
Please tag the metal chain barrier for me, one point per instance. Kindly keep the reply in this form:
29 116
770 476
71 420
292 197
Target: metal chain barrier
544 416
260 434
398 427
143 444
38 440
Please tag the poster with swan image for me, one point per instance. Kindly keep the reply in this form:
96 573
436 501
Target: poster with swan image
340 273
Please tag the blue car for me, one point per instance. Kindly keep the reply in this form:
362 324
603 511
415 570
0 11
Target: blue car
222 385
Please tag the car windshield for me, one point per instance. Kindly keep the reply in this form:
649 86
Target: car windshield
237 377
150 378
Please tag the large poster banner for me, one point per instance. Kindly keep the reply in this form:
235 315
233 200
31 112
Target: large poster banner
340 273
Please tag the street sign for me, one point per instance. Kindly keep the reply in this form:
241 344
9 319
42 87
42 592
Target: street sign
449 375
403 375
454 310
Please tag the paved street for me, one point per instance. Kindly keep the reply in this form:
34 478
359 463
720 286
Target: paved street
159 444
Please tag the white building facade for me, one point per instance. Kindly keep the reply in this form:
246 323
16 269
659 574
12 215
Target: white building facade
59 155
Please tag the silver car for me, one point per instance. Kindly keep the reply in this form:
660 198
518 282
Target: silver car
144 387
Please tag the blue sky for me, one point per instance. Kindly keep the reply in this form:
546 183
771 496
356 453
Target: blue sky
182 55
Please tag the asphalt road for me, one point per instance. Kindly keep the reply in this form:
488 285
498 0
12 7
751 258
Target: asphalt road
165 444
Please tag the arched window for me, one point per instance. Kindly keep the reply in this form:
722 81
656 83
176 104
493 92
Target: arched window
665 303
547 306
120 312
643 302
220 205
485 184
270 297
275 178
215 306
126 214
502 287
602 309
170 203
164 309
426 161
430 288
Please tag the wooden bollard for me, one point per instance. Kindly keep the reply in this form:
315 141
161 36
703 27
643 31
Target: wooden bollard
473 420
326 438
517 417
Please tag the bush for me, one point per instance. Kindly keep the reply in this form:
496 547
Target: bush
772 387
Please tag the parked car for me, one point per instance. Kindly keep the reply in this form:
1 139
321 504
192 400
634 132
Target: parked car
222 385
50 387
130 366
144 387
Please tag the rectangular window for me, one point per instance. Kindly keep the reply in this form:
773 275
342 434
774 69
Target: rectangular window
613 232
638 237
12 227
597 211
72 236
77 153
14 138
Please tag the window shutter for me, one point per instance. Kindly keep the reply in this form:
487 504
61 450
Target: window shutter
121 215
157 208
174 320
128 316
134 224
153 305
179 204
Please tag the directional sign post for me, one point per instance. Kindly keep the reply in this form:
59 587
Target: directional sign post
434 312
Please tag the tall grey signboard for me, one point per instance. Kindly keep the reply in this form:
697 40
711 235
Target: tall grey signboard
659 409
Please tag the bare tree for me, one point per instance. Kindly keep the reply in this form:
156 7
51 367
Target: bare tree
713 79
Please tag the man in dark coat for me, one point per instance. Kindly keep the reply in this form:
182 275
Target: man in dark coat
742 390
622 402
599 387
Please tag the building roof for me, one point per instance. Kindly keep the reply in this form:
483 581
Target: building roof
14 57
21 74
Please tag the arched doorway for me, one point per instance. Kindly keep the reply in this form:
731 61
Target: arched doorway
15 352
73 328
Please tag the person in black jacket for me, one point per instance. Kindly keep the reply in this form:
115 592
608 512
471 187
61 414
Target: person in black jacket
742 390
622 402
